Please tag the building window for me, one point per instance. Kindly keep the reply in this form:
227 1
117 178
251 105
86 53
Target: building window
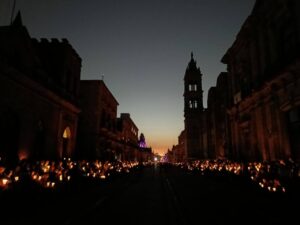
192 87
193 104
66 142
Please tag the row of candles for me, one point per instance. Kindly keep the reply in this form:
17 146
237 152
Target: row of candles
272 176
51 174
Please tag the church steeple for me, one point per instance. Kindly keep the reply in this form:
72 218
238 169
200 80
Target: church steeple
192 64
193 83
193 109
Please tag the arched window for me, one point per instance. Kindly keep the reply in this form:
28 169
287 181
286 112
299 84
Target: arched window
66 142
67 133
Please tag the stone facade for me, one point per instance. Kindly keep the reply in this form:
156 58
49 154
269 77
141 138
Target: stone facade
98 136
264 74
38 101
128 136
253 112
217 119
101 135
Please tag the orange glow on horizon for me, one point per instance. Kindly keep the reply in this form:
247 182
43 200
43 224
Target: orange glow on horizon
160 145
160 149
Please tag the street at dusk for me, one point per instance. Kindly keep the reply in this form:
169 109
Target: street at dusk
152 194
149 112
168 195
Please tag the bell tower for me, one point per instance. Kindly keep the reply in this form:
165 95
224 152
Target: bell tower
193 110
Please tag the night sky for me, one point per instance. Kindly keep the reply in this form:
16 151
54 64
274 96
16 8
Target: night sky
142 49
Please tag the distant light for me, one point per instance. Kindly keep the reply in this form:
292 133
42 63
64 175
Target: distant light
4 181
155 159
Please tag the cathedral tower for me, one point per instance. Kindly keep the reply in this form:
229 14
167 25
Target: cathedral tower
193 110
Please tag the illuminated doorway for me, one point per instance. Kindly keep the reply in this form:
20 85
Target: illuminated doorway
66 142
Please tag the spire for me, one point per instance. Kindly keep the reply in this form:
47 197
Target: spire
192 63
18 20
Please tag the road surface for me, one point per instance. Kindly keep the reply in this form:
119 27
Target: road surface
159 194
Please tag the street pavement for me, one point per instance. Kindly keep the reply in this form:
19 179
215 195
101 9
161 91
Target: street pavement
163 194
159 194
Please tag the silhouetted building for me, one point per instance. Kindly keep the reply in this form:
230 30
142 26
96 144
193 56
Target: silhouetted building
145 152
39 84
142 141
128 136
178 151
211 130
181 152
193 112
145 155
170 156
218 133
263 76
97 134
253 113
